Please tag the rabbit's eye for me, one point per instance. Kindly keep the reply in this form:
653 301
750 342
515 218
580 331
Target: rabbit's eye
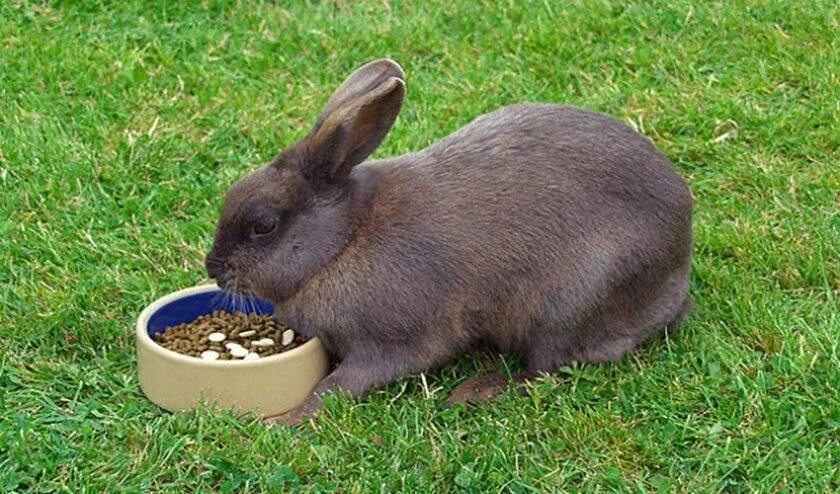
264 227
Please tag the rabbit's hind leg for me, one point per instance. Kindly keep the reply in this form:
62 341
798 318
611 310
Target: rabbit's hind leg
485 387
631 314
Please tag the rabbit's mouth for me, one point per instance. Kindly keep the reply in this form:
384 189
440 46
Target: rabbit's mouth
221 272
217 269
226 278
234 287
231 284
226 282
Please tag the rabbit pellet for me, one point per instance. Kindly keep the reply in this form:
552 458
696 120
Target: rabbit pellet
226 336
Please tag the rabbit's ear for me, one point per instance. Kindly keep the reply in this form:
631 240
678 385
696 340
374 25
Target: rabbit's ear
361 82
351 132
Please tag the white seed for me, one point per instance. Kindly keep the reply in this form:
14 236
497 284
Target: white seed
288 337
210 355
245 334
263 342
216 337
238 351
251 356
231 345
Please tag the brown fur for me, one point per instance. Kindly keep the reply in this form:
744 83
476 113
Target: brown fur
542 230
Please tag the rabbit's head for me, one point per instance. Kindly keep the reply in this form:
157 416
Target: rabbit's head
283 223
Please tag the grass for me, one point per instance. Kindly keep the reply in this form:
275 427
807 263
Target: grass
122 126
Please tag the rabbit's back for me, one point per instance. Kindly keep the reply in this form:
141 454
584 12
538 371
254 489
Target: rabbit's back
534 181
543 151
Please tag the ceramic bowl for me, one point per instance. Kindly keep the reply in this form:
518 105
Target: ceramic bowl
267 386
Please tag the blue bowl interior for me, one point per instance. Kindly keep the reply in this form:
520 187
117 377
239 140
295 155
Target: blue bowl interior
188 308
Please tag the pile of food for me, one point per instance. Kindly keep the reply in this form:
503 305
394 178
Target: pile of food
229 336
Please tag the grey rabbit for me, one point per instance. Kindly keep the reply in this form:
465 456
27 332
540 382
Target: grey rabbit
541 230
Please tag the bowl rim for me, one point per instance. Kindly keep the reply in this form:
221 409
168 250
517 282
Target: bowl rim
141 329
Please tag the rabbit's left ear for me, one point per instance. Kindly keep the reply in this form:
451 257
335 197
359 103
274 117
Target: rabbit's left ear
351 130
361 82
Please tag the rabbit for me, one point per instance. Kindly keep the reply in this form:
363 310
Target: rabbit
540 230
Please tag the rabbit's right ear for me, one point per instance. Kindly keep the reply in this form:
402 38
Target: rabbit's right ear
356 119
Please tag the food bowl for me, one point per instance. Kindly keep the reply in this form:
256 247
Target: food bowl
267 386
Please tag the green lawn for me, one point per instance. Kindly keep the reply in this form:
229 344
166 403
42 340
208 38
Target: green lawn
122 127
